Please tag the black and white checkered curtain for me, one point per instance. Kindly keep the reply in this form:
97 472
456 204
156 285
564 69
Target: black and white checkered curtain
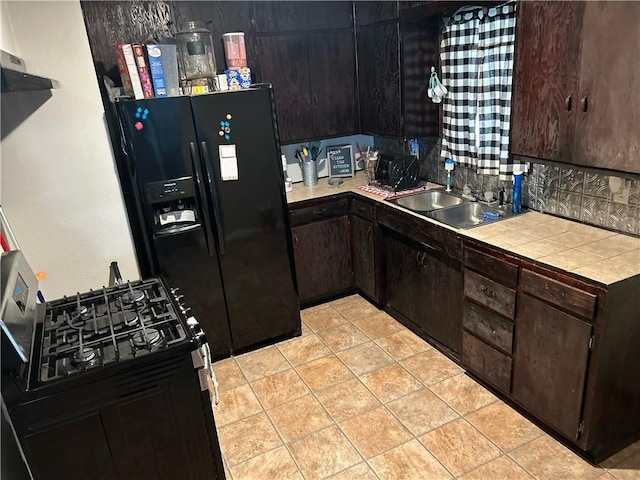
476 55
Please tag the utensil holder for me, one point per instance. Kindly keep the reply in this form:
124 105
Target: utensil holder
309 173
370 169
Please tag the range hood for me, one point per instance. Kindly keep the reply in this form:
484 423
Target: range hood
16 79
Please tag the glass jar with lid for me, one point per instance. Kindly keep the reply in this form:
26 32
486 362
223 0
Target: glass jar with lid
195 51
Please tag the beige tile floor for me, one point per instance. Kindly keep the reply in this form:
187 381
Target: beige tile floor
358 396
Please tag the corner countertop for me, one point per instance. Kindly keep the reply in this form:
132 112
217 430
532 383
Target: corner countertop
591 252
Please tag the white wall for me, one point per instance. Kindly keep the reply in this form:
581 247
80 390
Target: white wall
60 190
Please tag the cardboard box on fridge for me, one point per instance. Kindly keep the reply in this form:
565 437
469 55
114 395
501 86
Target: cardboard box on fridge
238 78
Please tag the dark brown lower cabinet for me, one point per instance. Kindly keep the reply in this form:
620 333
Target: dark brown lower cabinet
322 254
364 268
423 280
551 356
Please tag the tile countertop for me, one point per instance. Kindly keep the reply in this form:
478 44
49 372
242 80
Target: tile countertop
591 252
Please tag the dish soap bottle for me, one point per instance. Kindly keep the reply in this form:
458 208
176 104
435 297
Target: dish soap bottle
288 183
516 205
448 166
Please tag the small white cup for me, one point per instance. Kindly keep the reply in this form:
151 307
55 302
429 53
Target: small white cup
488 196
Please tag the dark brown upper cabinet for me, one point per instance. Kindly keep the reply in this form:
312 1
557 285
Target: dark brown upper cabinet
420 51
575 96
279 16
307 51
608 116
546 79
378 47
284 63
332 73
314 82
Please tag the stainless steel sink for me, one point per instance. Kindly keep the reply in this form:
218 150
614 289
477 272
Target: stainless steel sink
471 214
427 201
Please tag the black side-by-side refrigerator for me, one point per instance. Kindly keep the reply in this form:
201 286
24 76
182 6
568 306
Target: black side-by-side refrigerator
207 179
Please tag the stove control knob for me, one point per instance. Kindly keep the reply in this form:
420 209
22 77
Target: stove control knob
175 290
178 297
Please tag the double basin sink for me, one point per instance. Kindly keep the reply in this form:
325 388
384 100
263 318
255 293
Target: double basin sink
450 209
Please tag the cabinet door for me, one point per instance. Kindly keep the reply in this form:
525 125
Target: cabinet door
322 253
608 116
420 51
284 63
148 440
333 84
442 315
403 268
550 364
81 443
425 286
546 79
363 256
379 79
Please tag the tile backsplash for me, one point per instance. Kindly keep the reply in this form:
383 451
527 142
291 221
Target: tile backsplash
559 189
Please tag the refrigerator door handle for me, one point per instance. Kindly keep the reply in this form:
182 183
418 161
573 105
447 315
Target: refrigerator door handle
203 198
214 197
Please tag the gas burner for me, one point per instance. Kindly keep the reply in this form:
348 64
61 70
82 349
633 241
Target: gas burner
78 319
153 336
88 356
130 318
132 297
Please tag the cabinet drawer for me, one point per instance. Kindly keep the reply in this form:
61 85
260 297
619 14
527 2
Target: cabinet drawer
362 209
569 298
491 294
499 270
491 328
486 362
319 211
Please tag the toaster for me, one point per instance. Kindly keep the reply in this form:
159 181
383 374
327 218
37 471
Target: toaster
398 173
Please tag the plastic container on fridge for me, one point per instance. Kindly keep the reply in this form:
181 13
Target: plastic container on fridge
235 50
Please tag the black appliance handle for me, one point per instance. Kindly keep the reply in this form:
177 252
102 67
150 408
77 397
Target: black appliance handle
214 197
203 198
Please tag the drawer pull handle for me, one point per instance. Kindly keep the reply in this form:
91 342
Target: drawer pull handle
319 211
488 293
567 103
584 103
296 242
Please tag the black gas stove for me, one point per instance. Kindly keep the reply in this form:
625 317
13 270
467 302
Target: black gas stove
114 324
123 369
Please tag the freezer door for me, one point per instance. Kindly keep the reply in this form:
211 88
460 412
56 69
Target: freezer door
238 141
158 132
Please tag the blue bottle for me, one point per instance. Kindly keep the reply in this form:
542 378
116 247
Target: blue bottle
516 205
